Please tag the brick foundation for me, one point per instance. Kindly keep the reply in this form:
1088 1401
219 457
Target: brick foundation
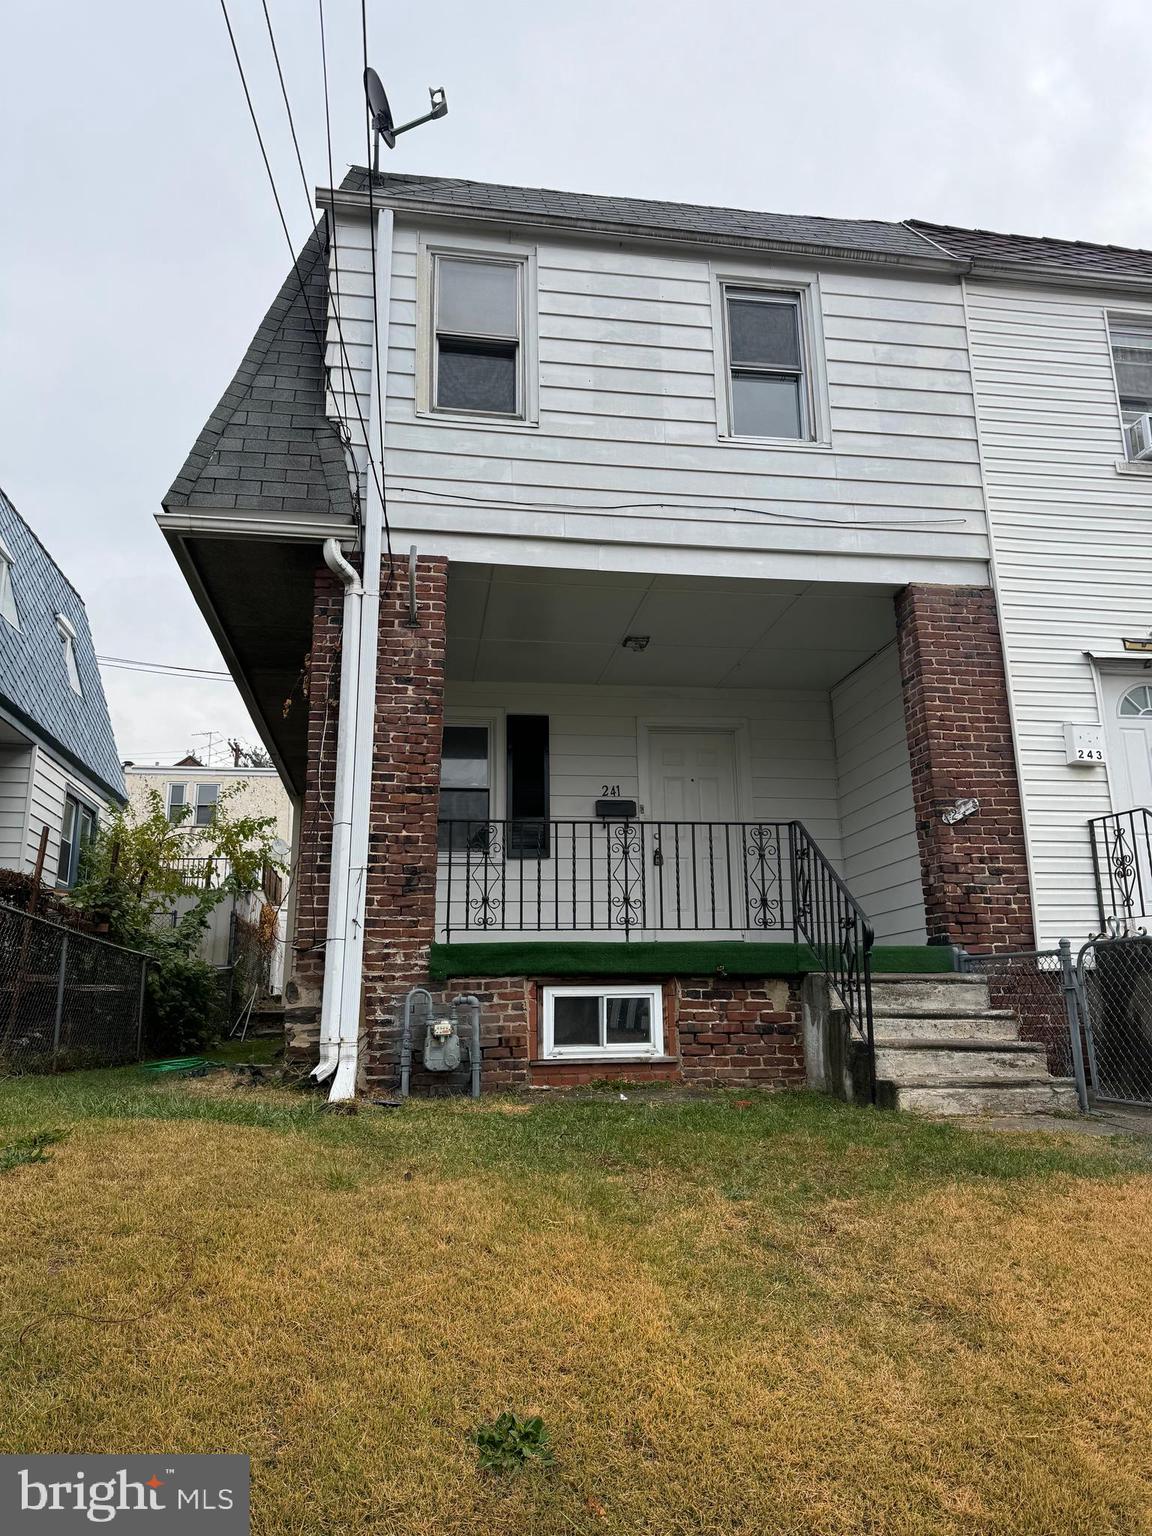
745 1034
975 874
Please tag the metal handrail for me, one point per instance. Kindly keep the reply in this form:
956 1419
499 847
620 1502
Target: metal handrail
835 927
1122 864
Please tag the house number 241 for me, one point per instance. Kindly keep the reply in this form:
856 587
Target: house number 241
610 791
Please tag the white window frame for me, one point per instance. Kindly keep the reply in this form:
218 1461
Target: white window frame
493 723
66 878
67 632
805 287
1124 320
654 994
198 803
183 787
8 609
478 248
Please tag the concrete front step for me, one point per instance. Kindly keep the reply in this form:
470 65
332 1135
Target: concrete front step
978 1096
944 1061
989 1024
947 990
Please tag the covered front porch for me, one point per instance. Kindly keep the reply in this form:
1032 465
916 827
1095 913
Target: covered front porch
641 758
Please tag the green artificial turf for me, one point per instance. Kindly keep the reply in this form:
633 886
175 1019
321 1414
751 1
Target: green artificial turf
588 958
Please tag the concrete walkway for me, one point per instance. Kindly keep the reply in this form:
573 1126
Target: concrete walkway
1104 1120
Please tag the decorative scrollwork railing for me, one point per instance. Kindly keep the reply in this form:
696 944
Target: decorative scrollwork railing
1122 861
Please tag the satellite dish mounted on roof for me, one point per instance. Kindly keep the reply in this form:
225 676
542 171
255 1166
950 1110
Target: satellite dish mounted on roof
381 113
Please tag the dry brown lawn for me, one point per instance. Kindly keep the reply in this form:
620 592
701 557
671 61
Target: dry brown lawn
724 1331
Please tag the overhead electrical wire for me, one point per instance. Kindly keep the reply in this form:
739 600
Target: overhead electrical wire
380 397
166 669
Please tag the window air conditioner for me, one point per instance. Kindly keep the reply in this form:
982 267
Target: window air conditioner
1139 435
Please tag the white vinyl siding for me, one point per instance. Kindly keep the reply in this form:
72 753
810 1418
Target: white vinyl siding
1073 562
627 448
881 857
15 774
50 784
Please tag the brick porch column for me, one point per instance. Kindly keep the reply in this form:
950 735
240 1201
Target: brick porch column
975 873
401 898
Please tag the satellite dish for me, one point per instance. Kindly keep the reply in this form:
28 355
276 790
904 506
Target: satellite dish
381 113
378 108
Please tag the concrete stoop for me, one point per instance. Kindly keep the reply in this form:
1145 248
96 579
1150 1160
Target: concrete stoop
941 1049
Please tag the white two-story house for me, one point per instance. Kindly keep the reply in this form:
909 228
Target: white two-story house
611 583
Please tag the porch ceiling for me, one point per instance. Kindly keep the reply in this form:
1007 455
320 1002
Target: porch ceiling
525 624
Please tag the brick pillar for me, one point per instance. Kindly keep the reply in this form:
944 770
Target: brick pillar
401 898
305 984
975 873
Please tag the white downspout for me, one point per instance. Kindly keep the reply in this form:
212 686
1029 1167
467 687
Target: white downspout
364 727
337 930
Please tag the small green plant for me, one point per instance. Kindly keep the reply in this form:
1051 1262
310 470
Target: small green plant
509 1444
28 1149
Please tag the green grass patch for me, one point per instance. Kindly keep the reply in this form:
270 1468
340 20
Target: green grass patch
691 958
28 1149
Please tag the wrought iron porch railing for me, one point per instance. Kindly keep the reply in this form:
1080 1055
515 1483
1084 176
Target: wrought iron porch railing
613 876
654 878
829 919
1122 861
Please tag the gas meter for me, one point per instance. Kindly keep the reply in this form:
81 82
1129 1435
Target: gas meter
441 1046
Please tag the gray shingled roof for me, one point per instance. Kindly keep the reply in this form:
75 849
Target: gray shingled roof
1037 255
868 238
268 446
34 685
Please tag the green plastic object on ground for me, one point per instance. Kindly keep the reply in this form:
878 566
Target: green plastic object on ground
192 1065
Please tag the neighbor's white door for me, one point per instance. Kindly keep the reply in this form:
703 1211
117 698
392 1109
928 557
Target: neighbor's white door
1128 704
697 862
1127 863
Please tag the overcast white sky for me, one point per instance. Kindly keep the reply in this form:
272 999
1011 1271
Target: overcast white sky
140 245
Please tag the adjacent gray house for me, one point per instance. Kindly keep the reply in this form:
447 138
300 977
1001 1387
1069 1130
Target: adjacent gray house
59 767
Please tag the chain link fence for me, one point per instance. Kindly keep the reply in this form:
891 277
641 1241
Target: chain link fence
1115 985
1039 987
67 1000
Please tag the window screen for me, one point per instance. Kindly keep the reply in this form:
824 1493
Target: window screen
477 336
766 363
1132 357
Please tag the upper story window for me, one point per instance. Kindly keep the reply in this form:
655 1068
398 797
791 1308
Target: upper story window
478 353
202 801
68 640
7 595
1132 361
768 387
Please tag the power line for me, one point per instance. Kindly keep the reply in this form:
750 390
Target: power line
380 396
165 669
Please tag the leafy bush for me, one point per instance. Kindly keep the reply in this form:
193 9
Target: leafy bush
509 1444
133 874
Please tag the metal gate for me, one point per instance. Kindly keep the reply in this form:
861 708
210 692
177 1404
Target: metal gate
1114 982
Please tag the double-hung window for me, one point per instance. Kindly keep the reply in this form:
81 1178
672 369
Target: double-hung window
478 323
767 384
202 802
609 1021
467 811
1132 360
76 832
67 633
8 609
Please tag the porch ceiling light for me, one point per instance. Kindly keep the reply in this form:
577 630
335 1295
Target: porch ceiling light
635 642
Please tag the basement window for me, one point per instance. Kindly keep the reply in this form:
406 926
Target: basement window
610 1021
477 363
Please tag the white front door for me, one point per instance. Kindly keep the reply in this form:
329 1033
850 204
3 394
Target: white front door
1128 708
695 847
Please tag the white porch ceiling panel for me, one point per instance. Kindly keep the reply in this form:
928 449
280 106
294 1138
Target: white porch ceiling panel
528 624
